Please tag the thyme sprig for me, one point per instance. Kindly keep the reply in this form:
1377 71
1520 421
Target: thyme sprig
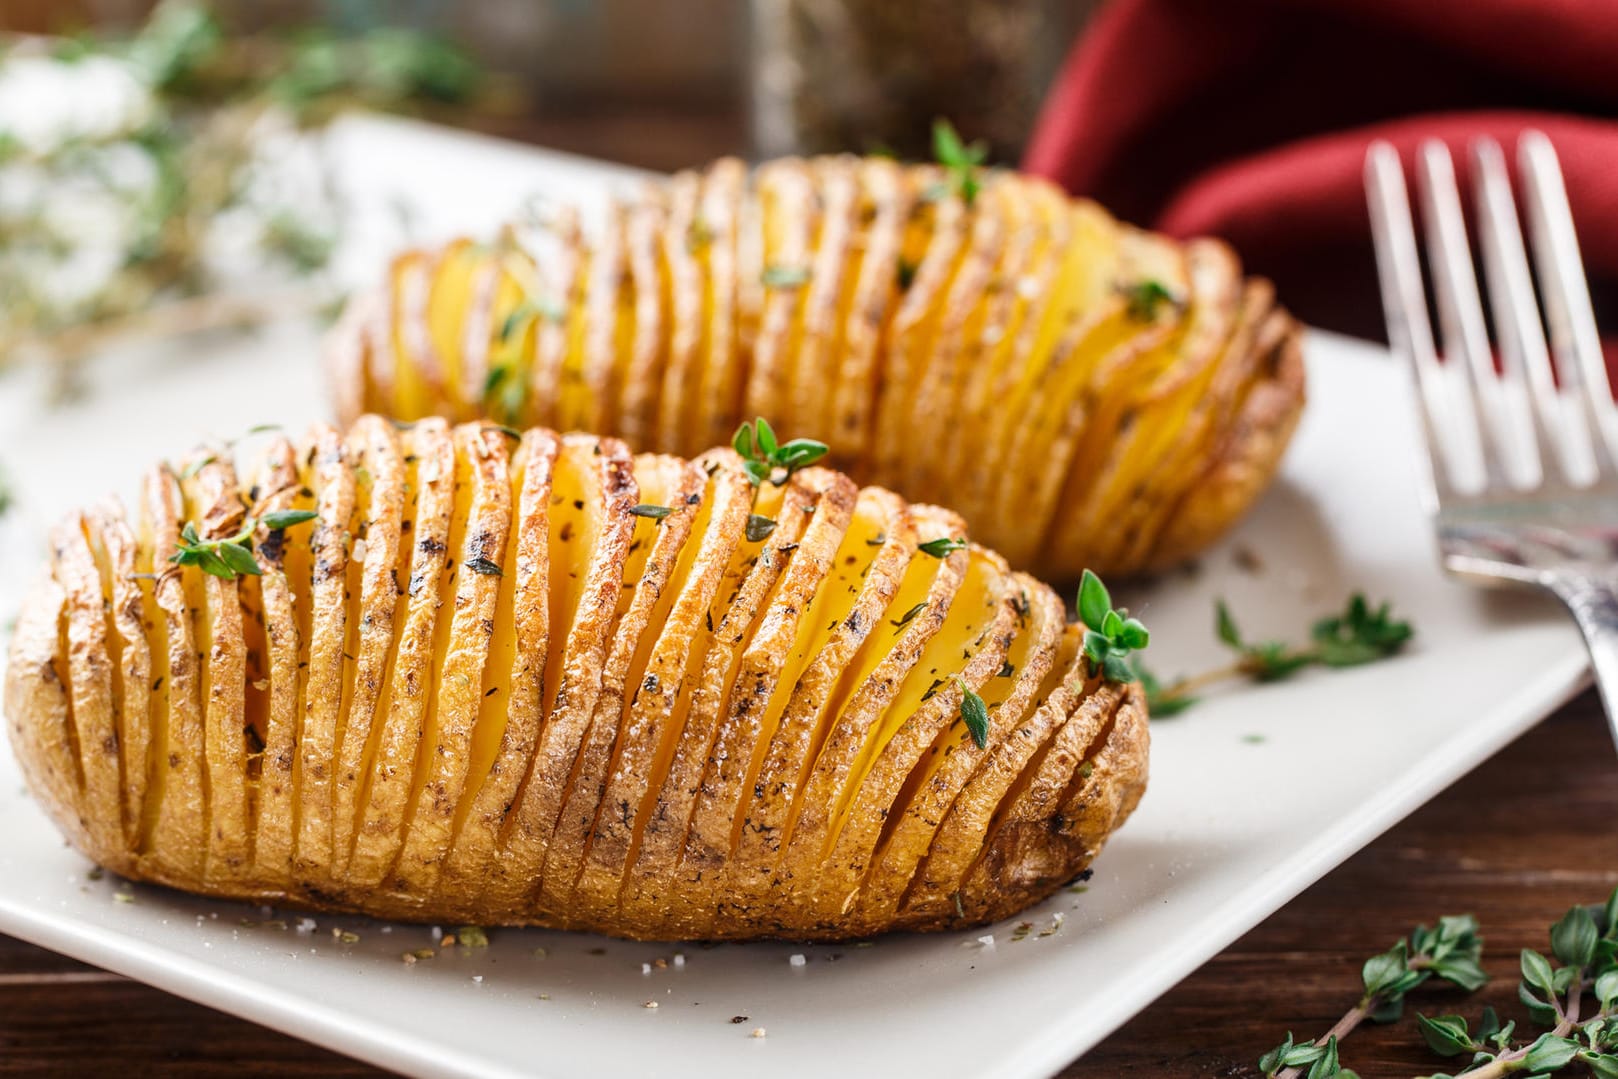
1145 298
160 175
961 161
1357 635
1111 634
1450 951
1555 991
232 556
767 459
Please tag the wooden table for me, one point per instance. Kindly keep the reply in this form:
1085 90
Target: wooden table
1517 842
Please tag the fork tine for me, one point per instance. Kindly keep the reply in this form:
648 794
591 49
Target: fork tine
1516 318
1405 303
1555 244
1506 445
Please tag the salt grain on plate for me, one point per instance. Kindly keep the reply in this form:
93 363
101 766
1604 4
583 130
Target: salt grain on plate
987 940
649 1004
758 1032
797 960
679 960
438 932
646 968
306 925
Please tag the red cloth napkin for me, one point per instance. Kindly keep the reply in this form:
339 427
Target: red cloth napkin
1249 119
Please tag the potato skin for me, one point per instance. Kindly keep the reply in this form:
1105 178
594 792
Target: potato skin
858 301
569 672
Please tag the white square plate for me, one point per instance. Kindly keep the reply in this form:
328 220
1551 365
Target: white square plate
1255 793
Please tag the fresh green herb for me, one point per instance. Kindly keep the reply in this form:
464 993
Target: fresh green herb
528 310
783 276
906 618
943 546
232 556
505 390
484 566
276 520
1360 634
472 936
906 274
766 458
974 714
5 494
1450 951
1575 1037
759 528
1111 634
961 161
698 234
646 509
1146 297
189 472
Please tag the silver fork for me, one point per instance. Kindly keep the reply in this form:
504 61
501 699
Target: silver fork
1523 463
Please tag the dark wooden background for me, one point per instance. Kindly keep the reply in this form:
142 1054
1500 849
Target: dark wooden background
1527 835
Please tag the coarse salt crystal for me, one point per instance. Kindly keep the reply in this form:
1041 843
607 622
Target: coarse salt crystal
679 960
758 1032
438 932
649 1004
646 968
477 978
798 960
306 925
987 940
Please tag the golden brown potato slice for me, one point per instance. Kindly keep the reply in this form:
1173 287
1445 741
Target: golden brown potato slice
115 548
935 242
514 680
864 697
214 498
89 660
742 599
385 795
461 650
591 530
866 574
648 351
39 714
279 489
938 366
1188 434
716 387
684 295
665 483
177 836
970 648
1146 396
937 882
833 268
781 643
669 659
789 219
373 573
886 200
330 475
955 757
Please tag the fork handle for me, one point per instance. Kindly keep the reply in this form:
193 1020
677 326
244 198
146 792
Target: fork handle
1594 604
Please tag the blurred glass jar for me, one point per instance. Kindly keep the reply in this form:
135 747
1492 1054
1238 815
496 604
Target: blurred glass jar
864 75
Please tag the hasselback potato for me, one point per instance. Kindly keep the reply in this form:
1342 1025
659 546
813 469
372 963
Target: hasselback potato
1083 393
449 673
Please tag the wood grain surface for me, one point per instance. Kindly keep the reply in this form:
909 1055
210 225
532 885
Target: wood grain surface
1517 842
